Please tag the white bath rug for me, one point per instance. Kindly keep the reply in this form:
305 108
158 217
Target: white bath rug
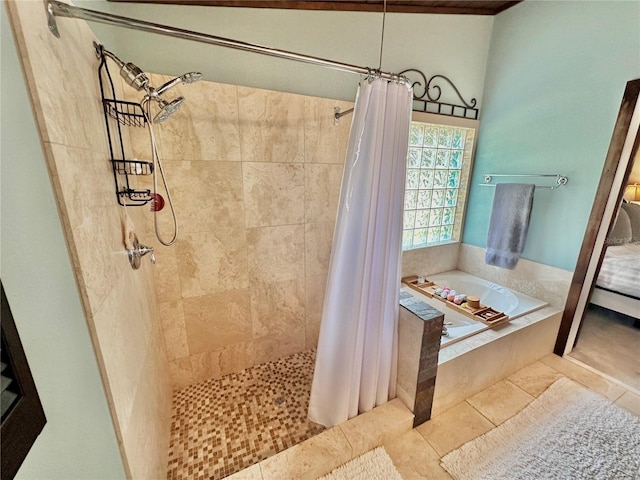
566 433
373 465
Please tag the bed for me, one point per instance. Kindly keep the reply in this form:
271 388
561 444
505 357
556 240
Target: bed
618 284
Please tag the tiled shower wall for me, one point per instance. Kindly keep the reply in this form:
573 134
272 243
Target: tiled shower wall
119 303
255 177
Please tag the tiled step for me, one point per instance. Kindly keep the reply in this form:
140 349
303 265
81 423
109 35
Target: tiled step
319 455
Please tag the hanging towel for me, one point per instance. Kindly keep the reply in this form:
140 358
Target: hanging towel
509 224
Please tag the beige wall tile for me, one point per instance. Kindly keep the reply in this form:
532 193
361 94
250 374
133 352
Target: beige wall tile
277 308
291 342
316 285
217 320
146 434
55 66
322 192
324 141
271 126
273 347
276 253
94 223
474 370
174 329
166 274
207 196
130 340
266 349
205 127
181 373
430 260
534 279
312 332
212 262
318 238
273 193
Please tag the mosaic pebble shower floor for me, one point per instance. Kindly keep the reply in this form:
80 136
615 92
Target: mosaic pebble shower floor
222 426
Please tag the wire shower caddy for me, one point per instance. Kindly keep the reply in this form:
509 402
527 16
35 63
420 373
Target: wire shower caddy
129 114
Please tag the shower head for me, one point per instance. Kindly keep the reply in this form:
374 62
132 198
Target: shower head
139 80
190 77
167 108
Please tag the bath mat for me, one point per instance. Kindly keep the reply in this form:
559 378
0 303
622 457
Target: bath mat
373 465
568 432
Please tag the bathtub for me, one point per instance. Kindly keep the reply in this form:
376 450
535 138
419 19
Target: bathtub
459 326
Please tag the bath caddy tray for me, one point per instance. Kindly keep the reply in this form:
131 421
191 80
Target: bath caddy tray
483 314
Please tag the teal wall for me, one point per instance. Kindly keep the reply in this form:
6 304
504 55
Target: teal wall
555 78
453 45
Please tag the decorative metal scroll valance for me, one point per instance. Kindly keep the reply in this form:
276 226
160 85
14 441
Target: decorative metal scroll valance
426 98
429 100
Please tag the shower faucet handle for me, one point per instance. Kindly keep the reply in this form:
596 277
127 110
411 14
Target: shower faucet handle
137 252
143 250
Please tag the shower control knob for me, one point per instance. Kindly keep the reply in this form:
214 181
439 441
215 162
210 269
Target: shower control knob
137 252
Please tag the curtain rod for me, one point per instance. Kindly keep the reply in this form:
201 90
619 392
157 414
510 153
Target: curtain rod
56 8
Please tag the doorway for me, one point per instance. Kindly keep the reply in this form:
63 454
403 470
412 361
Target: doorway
600 335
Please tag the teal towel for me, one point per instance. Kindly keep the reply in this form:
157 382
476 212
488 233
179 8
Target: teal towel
509 224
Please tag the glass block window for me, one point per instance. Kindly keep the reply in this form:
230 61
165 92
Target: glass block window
438 165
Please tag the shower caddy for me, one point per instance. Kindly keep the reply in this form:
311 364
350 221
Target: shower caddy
129 114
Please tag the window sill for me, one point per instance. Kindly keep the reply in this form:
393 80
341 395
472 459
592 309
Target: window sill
430 245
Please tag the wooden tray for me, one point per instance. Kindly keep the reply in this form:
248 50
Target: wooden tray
483 314
412 282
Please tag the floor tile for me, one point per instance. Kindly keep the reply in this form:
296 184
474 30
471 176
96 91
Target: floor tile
456 426
371 429
586 377
630 402
500 401
310 459
415 458
220 427
608 342
251 473
535 378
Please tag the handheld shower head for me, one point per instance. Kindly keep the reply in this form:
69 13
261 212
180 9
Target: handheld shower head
190 77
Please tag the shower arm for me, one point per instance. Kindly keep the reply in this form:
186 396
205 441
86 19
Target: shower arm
55 9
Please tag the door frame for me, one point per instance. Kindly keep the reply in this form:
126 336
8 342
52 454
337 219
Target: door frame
615 173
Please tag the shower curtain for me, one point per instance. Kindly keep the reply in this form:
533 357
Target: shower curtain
356 360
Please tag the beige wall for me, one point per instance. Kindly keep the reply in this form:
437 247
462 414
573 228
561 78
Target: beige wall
119 303
255 177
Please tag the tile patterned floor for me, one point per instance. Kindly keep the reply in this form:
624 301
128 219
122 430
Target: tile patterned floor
222 426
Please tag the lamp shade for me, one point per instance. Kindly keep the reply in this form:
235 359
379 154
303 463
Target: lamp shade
632 193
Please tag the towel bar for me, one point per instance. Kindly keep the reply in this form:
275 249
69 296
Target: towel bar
560 179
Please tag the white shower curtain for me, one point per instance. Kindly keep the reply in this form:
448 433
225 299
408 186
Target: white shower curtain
356 360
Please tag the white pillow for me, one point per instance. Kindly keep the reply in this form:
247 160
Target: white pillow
633 210
621 232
